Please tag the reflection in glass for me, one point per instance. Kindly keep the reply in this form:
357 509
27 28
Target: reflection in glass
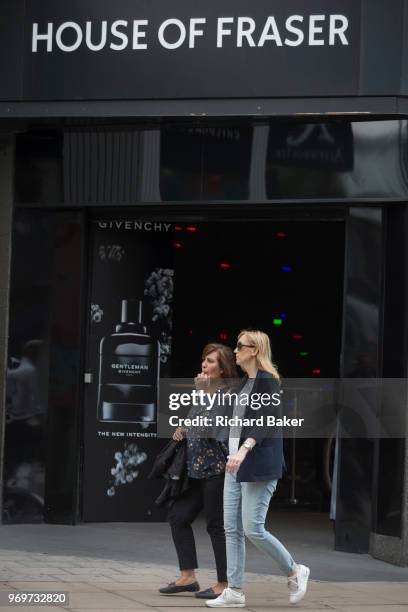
181 152
336 160
208 161
27 371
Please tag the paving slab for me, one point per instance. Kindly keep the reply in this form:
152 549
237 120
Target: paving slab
117 567
101 601
285 608
149 609
32 608
375 607
309 537
113 597
72 587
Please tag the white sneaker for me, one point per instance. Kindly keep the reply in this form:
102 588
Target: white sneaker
229 598
298 584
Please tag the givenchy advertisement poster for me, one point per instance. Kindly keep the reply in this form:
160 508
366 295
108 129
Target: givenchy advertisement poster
129 349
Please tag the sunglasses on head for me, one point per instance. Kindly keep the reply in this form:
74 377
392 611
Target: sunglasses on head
240 345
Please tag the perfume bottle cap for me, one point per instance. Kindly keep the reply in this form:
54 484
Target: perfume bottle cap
132 316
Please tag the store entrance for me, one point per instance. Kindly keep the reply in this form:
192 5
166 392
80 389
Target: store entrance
285 278
192 282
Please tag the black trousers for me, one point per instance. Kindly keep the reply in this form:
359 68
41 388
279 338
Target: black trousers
207 494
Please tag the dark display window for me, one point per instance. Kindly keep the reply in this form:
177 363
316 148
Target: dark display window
222 161
42 406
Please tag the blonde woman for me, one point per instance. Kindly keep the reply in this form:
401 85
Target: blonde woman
253 469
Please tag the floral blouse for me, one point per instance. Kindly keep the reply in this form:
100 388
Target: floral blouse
206 456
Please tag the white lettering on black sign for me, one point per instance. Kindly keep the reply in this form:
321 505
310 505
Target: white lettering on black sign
296 30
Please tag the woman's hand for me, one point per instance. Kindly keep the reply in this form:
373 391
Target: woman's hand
179 434
202 381
234 462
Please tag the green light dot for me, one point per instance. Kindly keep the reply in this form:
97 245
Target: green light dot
277 321
303 354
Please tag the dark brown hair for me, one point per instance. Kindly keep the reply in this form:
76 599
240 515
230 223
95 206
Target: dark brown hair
226 359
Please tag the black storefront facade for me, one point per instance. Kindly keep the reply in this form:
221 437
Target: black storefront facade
163 153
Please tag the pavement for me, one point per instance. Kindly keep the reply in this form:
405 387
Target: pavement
115 567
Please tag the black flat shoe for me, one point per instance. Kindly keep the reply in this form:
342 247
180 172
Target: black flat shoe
207 594
172 588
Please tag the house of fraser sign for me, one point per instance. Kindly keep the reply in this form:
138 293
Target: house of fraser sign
229 31
156 49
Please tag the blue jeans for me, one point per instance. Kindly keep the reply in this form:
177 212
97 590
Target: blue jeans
245 508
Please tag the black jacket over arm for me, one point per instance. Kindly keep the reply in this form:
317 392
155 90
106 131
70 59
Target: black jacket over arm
265 461
171 464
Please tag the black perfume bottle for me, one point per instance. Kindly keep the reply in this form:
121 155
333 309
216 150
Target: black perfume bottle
128 370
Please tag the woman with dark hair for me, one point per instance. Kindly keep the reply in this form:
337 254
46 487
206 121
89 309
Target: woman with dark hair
254 466
206 460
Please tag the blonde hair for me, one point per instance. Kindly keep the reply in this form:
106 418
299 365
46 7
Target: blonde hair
261 341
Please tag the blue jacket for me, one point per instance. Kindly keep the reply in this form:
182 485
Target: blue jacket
265 461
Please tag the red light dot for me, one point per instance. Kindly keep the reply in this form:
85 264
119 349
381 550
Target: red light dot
191 228
178 245
178 227
280 235
224 265
223 336
316 371
297 337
